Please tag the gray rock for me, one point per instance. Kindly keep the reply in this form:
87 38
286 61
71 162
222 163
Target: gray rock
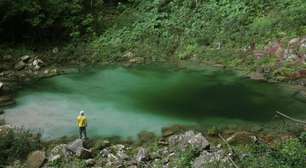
122 155
54 158
137 60
1 85
142 155
20 66
113 161
188 139
25 58
36 159
104 153
59 152
77 147
210 159
37 64
90 162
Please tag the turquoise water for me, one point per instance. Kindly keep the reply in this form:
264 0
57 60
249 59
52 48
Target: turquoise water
123 102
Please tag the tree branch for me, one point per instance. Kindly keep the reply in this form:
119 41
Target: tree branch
290 118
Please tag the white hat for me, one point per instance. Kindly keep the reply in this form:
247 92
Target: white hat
82 112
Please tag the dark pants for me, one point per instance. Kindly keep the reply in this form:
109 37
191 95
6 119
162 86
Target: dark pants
83 132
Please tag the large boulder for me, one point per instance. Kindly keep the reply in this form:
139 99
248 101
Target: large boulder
188 140
212 159
78 148
25 58
20 65
59 152
36 159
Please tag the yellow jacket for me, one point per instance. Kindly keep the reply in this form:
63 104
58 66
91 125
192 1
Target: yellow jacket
82 121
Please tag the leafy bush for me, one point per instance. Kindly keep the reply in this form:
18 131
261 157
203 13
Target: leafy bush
176 27
17 145
50 18
290 153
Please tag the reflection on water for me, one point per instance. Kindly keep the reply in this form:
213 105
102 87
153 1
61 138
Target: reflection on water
124 102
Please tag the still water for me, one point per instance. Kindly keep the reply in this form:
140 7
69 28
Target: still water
123 102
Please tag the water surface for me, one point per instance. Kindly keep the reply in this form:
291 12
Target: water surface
123 102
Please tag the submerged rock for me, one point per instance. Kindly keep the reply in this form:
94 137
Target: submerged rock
300 96
6 101
146 136
257 76
168 131
36 159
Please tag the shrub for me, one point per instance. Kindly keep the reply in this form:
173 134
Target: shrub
16 145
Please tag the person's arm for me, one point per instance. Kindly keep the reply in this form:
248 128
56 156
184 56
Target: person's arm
85 121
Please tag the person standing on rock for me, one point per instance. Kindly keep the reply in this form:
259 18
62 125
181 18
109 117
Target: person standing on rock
82 124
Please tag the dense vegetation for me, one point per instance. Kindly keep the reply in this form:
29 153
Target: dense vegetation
218 31
53 19
178 27
16 145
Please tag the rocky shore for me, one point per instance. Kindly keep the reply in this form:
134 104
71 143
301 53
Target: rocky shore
176 147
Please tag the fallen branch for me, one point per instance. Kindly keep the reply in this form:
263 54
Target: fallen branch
230 148
290 118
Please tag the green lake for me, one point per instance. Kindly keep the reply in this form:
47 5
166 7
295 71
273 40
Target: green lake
124 101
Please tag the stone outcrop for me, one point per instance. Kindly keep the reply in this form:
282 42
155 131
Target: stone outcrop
36 159
119 155
209 159
77 147
189 139
6 100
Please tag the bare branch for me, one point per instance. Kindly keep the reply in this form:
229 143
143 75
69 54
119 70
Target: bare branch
290 118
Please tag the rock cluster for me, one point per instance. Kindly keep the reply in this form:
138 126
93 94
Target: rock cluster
15 72
165 155
29 63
